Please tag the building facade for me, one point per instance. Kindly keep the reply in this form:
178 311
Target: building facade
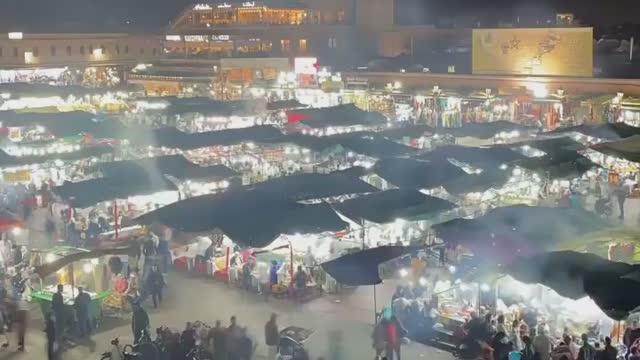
326 29
19 50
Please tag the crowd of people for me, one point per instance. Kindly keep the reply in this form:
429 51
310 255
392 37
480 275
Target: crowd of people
490 334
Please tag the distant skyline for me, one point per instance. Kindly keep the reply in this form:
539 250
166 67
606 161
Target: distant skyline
153 15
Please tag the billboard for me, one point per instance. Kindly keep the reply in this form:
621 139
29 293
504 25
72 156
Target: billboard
539 51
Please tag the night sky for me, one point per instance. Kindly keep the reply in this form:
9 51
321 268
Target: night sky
153 15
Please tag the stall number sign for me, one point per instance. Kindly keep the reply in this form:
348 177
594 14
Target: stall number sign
305 65
220 37
356 80
17 176
195 38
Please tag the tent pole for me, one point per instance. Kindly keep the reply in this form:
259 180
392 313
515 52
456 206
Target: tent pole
375 306
115 217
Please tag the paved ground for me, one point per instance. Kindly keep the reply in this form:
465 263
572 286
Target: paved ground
188 298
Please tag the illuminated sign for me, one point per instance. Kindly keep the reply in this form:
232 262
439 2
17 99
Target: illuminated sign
202 7
224 6
305 65
195 38
15 35
249 4
173 38
220 37
538 51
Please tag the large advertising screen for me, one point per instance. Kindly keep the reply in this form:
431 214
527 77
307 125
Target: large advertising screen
543 51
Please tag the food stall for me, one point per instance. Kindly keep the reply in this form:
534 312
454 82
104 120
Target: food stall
92 273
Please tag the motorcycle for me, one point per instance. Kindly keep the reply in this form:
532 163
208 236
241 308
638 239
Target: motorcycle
118 352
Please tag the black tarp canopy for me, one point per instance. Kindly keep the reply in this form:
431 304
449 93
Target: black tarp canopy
285 104
562 165
249 219
375 146
175 165
417 174
87 193
484 130
21 89
310 186
66 124
550 146
387 206
340 115
628 149
476 156
490 178
361 268
518 229
211 107
410 131
607 131
171 137
86 152
613 286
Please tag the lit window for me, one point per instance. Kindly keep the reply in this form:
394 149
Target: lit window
333 43
302 44
451 68
285 44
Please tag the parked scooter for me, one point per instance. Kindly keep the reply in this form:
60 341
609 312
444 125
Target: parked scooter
118 352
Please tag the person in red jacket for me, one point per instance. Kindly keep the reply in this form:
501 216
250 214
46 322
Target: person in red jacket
394 332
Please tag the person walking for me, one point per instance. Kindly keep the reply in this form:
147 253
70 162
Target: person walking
50 330
379 340
609 352
81 306
245 345
155 284
233 339
139 323
394 331
587 352
272 336
57 305
527 352
22 319
219 336
543 344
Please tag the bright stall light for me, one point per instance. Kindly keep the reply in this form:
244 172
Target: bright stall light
87 268
423 281
16 231
50 258
503 167
403 272
452 269
485 287
95 261
15 35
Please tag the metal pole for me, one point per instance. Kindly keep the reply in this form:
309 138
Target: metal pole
375 306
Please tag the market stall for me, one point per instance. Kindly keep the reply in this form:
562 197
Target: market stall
92 274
